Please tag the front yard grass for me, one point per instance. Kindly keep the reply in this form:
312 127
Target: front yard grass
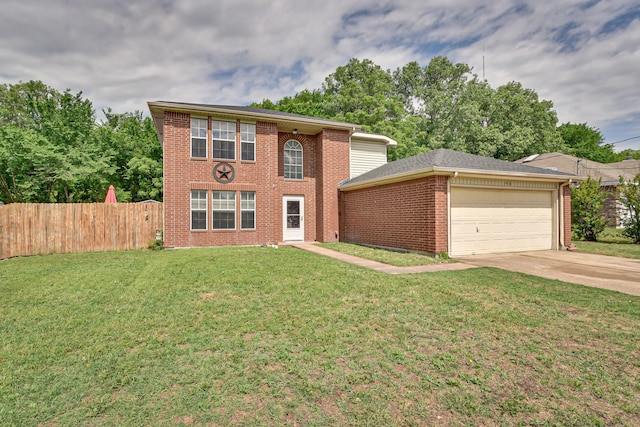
396 258
610 242
263 336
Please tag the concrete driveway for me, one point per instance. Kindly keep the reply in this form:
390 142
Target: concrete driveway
618 274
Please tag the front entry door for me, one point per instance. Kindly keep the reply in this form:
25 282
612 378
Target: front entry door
293 218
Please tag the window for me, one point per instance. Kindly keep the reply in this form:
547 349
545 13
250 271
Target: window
247 210
224 140
248 141
198 210
198 137
224 210
293 160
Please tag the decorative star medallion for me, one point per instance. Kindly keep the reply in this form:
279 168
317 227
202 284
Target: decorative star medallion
224 173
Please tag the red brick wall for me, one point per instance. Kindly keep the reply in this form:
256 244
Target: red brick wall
409 215
265 177
333 155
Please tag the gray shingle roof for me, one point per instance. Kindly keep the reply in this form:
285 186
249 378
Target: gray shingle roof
255 110
450 159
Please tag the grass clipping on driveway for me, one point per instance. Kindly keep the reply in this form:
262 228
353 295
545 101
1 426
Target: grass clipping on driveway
262 336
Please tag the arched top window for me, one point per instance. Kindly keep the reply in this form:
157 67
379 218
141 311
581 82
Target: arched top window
293 160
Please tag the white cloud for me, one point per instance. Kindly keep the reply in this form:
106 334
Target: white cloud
122 54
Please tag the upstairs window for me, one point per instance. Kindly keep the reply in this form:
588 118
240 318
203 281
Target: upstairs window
224 140
293 160
248 141
199 138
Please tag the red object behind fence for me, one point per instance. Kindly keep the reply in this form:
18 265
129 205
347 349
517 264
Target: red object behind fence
111 195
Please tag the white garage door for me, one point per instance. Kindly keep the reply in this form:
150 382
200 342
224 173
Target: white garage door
492 221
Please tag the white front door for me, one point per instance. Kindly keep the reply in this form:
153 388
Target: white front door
293 218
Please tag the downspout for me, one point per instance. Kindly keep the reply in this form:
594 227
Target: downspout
561 213
453 175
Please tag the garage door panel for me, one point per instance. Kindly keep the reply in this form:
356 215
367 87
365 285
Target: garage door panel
492 221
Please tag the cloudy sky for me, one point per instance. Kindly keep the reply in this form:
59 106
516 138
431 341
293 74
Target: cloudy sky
584 55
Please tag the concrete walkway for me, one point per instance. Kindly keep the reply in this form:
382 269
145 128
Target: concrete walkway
379 266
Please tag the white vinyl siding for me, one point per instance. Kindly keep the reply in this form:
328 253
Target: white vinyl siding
493 221
366 156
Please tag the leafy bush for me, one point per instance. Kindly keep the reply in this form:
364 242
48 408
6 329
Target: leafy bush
587 203
630 200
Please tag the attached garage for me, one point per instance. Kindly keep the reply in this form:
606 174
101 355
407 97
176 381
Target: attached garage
459 203
501 220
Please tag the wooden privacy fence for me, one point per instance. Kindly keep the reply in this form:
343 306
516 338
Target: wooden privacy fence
46 228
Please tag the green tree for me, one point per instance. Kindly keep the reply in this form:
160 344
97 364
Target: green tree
527 125
362 92
440 105
629 153
307 103
586 142
136 155
587 203
630 200
48 124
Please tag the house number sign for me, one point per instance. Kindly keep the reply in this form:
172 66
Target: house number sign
224 173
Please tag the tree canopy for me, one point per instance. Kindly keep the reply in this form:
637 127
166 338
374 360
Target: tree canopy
52 149
440 105
445 105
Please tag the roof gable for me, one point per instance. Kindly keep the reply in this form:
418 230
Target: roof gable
609 173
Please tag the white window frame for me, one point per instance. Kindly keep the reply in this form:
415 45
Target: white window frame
293 170
224 132
196 205
223 205
247 204
197 131
248 137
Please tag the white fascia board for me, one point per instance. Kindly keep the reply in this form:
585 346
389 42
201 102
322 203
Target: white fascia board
374 138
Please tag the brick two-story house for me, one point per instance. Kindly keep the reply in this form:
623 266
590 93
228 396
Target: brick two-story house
250 176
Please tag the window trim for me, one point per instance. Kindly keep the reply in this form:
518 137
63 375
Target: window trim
253 209
235 139
206 138
243 142
192 210
299 148
214 210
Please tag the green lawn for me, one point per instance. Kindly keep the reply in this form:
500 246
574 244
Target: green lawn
610 242
262 336
400 259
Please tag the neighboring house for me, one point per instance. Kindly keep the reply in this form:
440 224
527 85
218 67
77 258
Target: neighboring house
250 176
459 203
608 173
